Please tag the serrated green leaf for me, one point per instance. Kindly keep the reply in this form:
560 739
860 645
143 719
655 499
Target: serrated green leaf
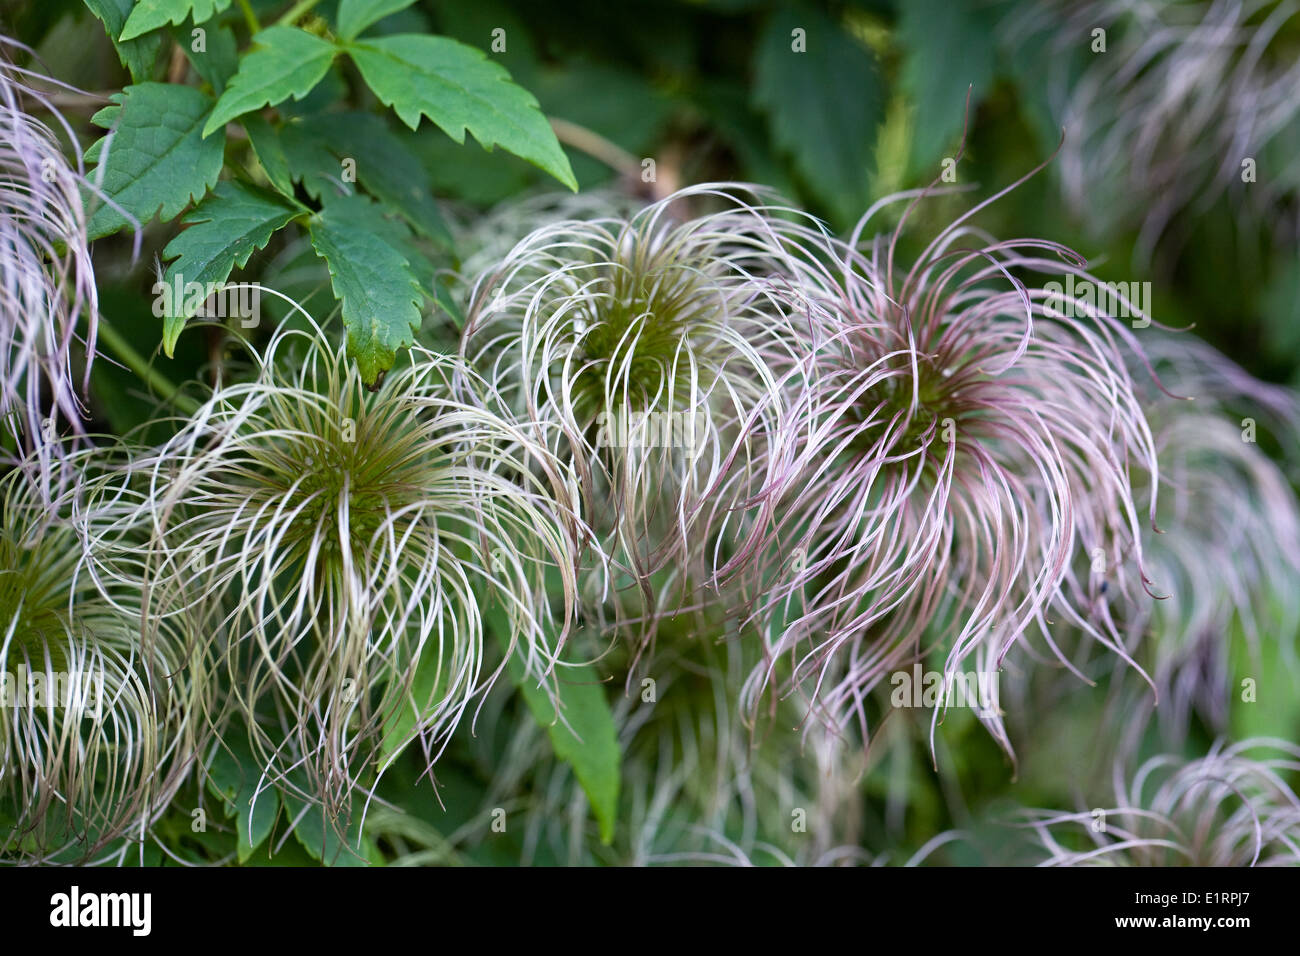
265 140
585 737
158 161
138 55
152 14
824 105
285 62
219 60
960 36
224 230
385 167
309 160
355 15
459 88
372 277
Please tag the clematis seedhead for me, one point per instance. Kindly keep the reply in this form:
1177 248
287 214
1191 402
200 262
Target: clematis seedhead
957 437
642 351
102 716
343 545
47 283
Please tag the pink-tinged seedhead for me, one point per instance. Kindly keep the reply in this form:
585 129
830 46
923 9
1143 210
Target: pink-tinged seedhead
1228 562
1188 102
47 283
954 443
1232 807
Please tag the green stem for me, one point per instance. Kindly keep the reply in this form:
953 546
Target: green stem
250 17
297 10
137 363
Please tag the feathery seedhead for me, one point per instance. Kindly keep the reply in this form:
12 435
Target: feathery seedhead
1232 807
1228 558
955 442
340 541
641 351
46 279
1186 103
99 723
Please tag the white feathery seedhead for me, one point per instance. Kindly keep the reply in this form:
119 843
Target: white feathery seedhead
341 543
641 350
100 723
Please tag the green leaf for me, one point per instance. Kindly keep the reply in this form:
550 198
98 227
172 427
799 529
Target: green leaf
401 725
150 855
961 38
225 774
152 14
355 15
265 140
824 105
218 62
584 737
458 88
372 277
309 160
466 173
139 55
387 169
254 820
224 230
285 63
233 777
157 161
323 842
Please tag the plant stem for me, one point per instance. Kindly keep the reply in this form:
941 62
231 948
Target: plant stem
597 146
137 363
297 10
249 16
